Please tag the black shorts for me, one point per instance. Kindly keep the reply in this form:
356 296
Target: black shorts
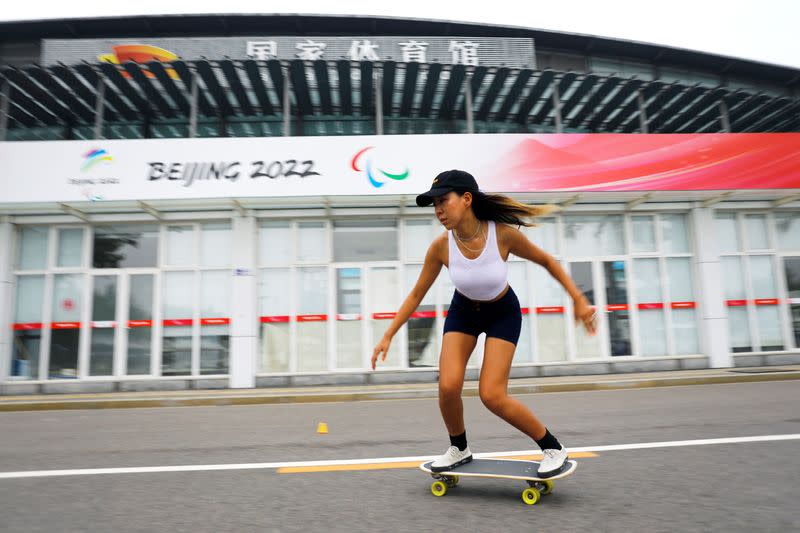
501 318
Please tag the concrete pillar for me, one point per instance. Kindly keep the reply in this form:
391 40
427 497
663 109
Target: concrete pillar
244 301
714 337
7 249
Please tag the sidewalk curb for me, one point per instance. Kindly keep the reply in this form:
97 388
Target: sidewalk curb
273 396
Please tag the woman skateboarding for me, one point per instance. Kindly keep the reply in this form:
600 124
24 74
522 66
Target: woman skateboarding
475 249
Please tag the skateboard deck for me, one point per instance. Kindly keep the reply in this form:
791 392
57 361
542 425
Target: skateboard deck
500 468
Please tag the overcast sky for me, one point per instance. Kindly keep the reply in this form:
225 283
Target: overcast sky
763 30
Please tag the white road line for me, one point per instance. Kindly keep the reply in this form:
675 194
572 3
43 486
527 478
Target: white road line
257 466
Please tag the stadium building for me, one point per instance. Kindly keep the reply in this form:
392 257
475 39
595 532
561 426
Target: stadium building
215 201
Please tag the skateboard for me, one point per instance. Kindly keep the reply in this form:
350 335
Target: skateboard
500 468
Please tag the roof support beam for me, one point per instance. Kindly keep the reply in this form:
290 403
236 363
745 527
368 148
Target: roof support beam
717 199
4 98
638 201
786 200
68 209
99 106
150 210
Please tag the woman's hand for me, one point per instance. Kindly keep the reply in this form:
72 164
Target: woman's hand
381 347
586 314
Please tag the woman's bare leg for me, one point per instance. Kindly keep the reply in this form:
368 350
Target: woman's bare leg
493 388
456 349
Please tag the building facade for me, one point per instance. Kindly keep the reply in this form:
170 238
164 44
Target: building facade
197 220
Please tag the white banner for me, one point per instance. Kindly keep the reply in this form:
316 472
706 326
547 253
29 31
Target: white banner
154 169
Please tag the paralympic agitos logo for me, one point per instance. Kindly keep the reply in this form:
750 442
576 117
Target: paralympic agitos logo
375 179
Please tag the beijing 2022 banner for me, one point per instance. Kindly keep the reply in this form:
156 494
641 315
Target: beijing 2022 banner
149 169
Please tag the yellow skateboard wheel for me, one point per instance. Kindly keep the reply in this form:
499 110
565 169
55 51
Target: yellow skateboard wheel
548 487
438 488
530 496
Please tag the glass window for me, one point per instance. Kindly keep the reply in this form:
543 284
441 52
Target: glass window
684 325
652 327
104 313
216 245
349 347
422 339
66 323
550 326
544 235
125 246
767 311
33 249
27 327
586 346
275 295
140 323
756 228
644 235
674 234
727 233
178 304
418 237
384 287
312 310
70 247
588 235
518 279
735 294
619 324
180 246
312 242
275 243
788 230
356 240
215 290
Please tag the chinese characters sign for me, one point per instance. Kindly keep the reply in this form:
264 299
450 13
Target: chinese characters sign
475 51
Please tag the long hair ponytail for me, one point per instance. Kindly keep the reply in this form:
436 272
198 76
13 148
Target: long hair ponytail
500 208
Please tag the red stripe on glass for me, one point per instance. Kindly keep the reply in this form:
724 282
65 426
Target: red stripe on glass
140 323
347 317
65 325
383 316
312 318
215 321
423 314
617 307
766 301
548 310
651 305
525 310
27 326
683 305
274 319
736 303
178 322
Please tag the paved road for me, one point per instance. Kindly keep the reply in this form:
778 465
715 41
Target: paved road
724 487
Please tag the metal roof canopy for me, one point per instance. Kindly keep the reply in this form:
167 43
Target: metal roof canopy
231 90
611 202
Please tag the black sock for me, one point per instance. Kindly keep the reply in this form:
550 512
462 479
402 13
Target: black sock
548 442
459 441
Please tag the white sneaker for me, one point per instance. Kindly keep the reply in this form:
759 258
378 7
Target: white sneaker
452 458
552 462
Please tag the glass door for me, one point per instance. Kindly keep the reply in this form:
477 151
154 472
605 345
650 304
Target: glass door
139 333
104 324
349 323
586 346
384 300
791 269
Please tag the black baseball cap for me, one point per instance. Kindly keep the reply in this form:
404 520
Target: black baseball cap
449 180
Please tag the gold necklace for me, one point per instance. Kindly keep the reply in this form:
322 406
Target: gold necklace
480 226
467 247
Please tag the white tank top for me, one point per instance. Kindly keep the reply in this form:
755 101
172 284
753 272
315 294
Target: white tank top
483 278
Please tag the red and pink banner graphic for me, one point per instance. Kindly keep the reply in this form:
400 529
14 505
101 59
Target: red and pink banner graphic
655 162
